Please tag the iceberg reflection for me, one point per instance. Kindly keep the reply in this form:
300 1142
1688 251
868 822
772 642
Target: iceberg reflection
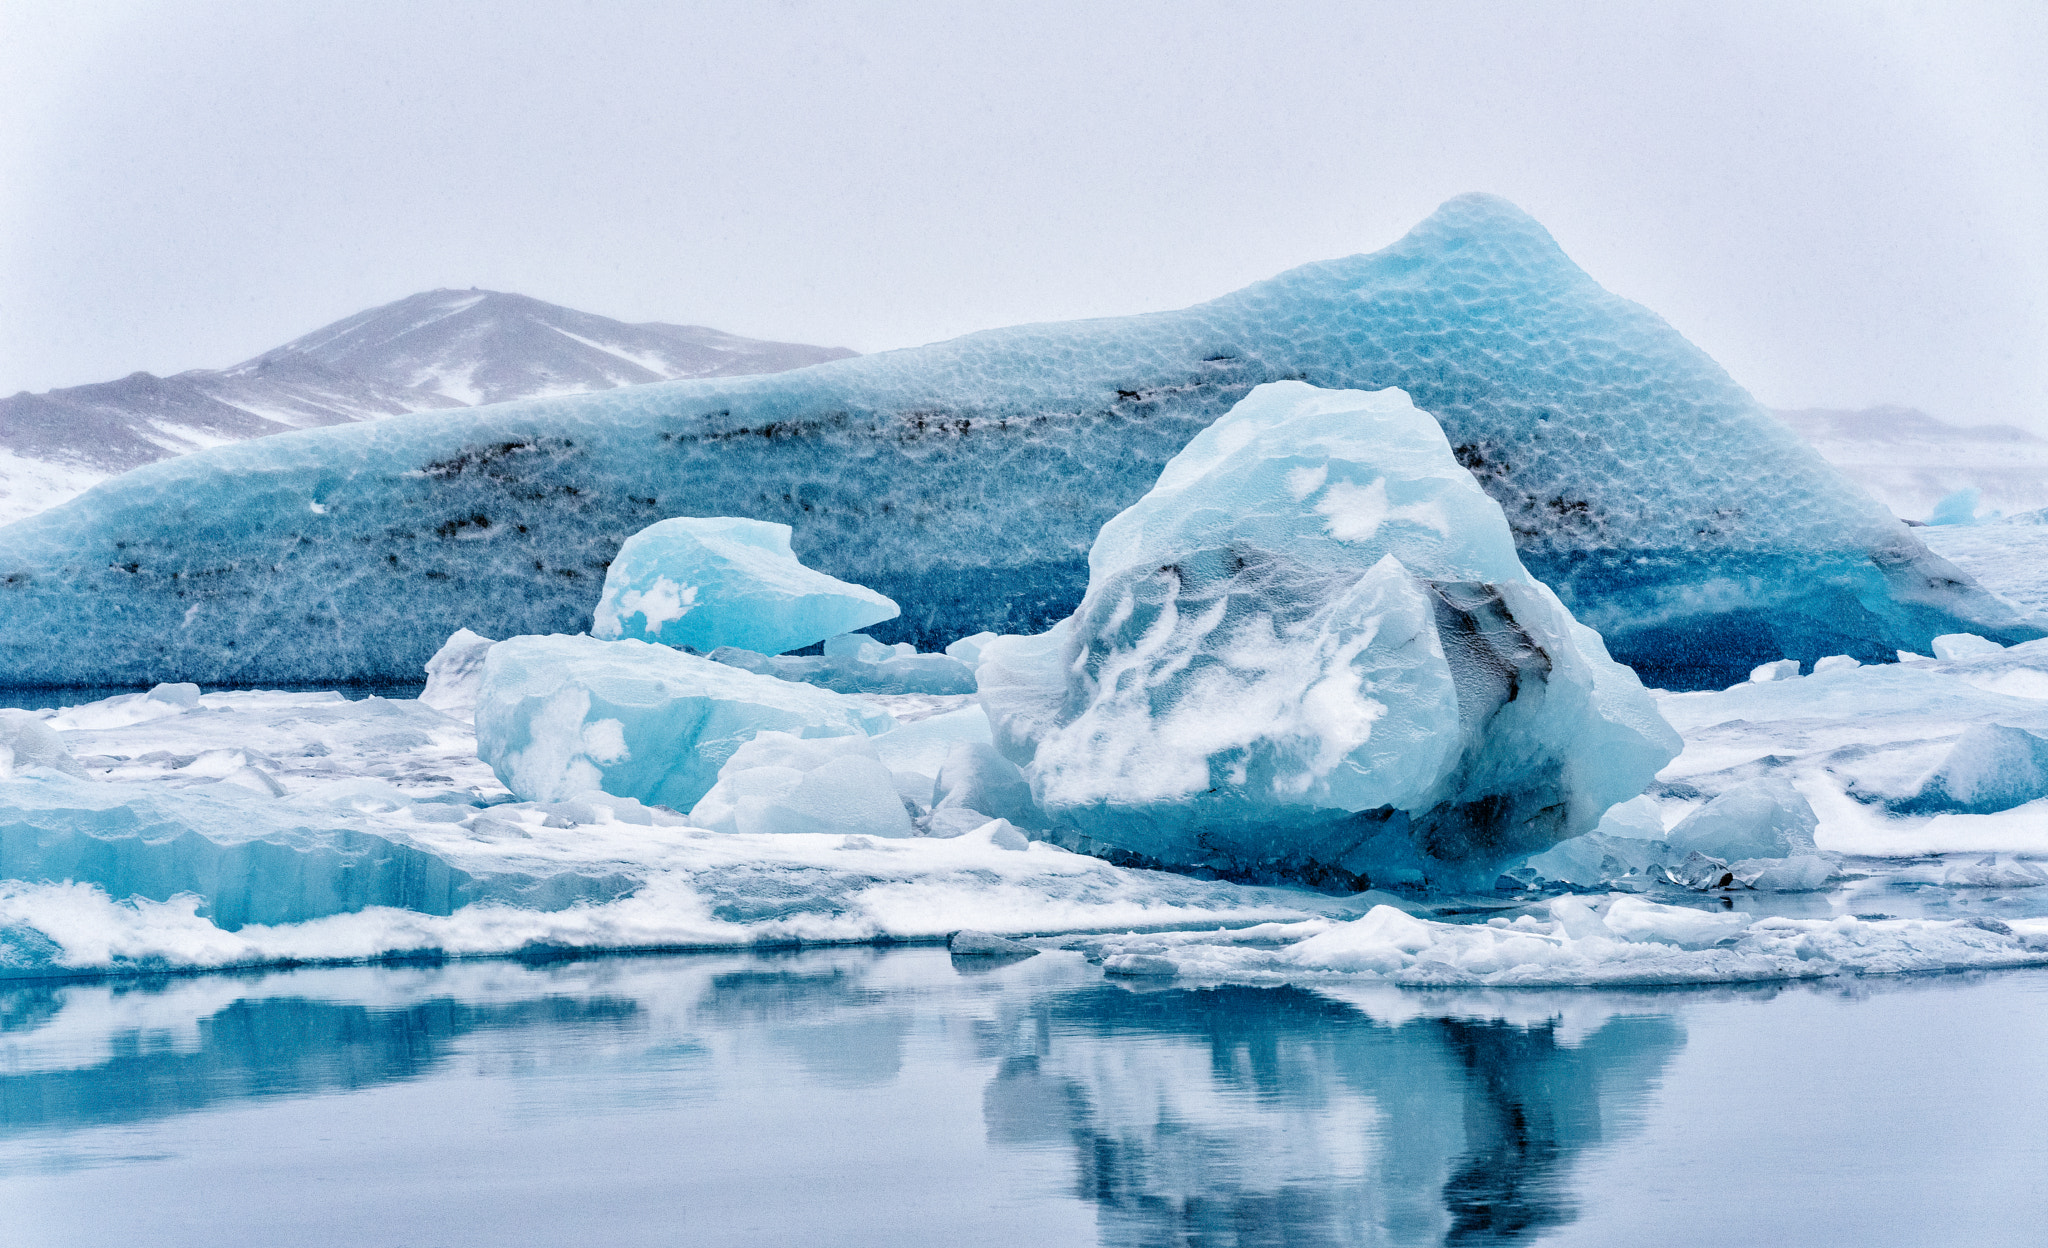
1228 1115
1242 1115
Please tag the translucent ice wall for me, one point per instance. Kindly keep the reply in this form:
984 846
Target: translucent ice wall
966 480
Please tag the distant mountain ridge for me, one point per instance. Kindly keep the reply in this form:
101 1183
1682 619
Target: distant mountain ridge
437 349
1911 461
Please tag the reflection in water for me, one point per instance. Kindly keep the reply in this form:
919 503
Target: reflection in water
1185 1116
268 1048
1238 1116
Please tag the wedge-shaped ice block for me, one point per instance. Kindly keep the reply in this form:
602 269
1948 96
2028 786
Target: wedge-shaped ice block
561 715
722 581
1311 650
966 480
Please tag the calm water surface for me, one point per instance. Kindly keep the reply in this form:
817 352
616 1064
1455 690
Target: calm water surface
859 1096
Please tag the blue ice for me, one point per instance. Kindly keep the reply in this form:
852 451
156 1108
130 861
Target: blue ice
967 479
1312 650
563 715
706 583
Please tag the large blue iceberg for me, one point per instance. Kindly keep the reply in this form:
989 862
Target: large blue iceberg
967 479
1311 652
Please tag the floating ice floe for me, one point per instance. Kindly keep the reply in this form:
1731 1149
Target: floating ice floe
724 581
1580 941
1938 755
1673 514
561 715
1311 650
162 860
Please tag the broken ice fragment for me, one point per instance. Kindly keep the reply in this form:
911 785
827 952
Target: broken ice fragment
1965 646
723 581
559 715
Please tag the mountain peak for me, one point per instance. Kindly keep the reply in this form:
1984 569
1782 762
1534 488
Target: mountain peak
481 346
434 349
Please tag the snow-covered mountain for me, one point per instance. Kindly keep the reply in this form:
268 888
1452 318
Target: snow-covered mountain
442 348
1911 461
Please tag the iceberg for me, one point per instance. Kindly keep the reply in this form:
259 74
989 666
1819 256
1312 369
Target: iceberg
1311 649
559 716
967 480
700 584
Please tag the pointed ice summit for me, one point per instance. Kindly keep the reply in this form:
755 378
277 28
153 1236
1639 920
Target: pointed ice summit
967 479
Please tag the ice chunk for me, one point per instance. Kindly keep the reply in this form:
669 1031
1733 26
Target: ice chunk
915 753
559 715
923 745
1638 817
1835 663
455 675
1964 646
184 695
724 581
1672 512
1765 818
977 784
1317 614
861 648
1003 834
1780 669
972 944
781 783
1959 507
1702 872
26 742
870 668
1601 858
968 649
1800 873
1990 768
1995 871
1633 918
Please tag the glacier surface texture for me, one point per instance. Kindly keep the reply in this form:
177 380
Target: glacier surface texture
1311 650
967 479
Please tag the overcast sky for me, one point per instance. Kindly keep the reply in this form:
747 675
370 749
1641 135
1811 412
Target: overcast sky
1845 203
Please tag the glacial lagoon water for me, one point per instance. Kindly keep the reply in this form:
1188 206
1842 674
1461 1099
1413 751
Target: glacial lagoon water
866 1096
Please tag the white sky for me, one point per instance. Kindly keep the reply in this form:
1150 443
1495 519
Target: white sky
1844 203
